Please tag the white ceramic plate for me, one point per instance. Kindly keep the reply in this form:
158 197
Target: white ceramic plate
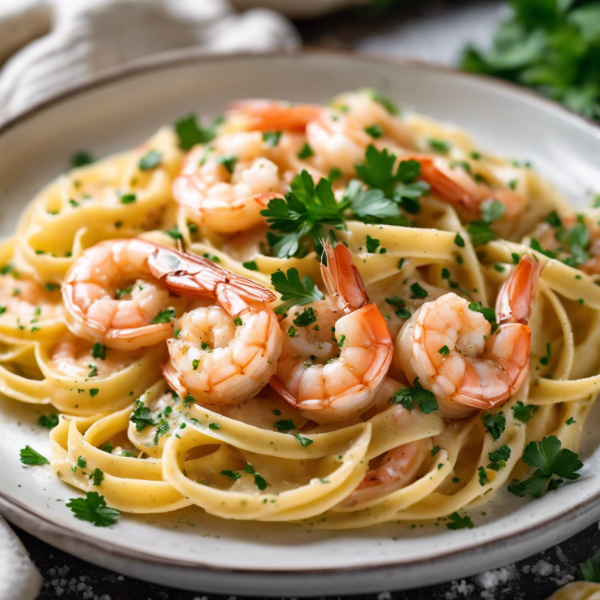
189 549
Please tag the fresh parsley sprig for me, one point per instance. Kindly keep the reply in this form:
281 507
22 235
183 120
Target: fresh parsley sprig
407 397
190 132
305 209
549 460
93 508
293 290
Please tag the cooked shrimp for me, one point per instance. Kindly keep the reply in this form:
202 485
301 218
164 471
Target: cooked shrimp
74 358
339 138
575 242
269 115
222 354
112 297
462 191
398 469
335 378
225 188
27 300
451 350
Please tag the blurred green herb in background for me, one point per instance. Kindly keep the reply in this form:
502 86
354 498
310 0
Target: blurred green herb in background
552 46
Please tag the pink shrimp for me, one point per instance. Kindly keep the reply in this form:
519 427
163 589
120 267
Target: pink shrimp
450 348
335 381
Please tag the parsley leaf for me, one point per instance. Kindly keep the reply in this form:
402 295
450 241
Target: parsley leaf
308 317
293 291
590 570
271 138
495 424
458 522
499 457
30 457
304 210
48 421
522 412
81 158
150 160
191 133
488 313
141 415
93 508
425 399
304 441
549 460
164 316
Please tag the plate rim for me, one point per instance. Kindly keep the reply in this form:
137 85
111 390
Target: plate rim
586 510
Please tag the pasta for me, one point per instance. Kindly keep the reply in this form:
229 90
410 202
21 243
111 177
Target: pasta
137 299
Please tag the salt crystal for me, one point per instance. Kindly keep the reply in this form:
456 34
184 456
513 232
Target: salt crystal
59 591
542 568
490 579
384 596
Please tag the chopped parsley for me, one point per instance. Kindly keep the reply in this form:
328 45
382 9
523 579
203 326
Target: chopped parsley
294 292
305 152
164 316
93 508
483 478
141 415
271 138
444 350
128 198
375 131
499 457
306 318
439 145
522 412
458 522
228 162
495 424
191 133
418 291
549 460
304 441
285 425
99 351
30 457
97 475
231 474
590 570
214 426
459 241
48 421
150 160
174 233
423 398
250 265
81 158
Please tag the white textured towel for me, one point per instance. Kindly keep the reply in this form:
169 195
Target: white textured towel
89 36
19 579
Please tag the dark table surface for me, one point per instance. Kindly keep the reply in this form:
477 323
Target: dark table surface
537 577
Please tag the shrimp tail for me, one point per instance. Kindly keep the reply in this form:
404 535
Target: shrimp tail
280 389
342 278
515 297
187 274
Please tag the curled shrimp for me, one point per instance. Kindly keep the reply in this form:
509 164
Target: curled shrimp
112 297
462 191
226 353
339 136
575 242
451 349
270 115
335 378
226 188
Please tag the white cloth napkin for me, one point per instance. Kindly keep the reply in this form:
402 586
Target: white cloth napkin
19 579
90 36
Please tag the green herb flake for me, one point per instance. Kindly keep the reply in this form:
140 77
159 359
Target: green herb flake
93 509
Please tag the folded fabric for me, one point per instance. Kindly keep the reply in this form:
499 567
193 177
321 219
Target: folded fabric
19 579
90 36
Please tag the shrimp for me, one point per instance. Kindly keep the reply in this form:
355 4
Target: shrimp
112 297
575 242
73 357
27 300
400 465
462 191
339 137
451 350
225 189
398 469
222 354
335 381
270 115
